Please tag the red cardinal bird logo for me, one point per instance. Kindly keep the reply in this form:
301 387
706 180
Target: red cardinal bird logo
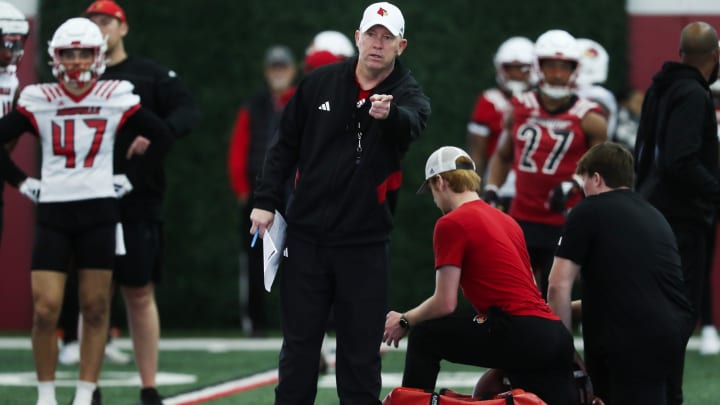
382 12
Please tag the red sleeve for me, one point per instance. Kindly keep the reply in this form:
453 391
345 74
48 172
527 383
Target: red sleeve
485 113
238 154
448 243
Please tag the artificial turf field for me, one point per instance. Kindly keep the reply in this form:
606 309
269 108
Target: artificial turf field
235 370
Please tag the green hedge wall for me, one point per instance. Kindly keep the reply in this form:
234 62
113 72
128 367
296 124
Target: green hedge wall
217 46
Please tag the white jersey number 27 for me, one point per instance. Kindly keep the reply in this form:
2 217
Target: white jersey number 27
531 135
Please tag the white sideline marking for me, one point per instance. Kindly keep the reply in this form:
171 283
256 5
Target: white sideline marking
219 345
224 389
107 379
464 379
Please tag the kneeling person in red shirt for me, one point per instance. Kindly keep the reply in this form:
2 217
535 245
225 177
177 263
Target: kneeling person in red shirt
482 250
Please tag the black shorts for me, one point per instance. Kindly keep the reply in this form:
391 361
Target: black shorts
142 262
540 236
90 247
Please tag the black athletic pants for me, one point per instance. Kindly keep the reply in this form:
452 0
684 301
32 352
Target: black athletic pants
692 243
541 241
352 280
535 353
639 376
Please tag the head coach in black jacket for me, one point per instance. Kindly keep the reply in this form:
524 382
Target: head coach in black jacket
676 155
346 131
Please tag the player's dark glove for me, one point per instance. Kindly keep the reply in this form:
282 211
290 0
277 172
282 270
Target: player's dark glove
491 196
562 193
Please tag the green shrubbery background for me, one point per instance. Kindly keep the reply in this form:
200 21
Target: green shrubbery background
216 46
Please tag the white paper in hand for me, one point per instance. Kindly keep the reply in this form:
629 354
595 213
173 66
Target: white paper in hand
273 244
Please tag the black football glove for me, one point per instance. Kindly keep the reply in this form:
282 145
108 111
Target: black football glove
561 194
491 196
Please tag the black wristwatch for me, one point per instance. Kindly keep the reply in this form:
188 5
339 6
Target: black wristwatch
404 322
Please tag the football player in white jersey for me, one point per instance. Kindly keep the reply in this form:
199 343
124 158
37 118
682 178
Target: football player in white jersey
13 32
76 120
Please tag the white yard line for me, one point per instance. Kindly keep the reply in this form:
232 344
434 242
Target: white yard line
216 345
224 389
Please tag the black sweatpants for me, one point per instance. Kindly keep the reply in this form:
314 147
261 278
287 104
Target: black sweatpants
535 353
692 244
352 280
637 376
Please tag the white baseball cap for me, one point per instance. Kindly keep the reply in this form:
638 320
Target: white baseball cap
385 14
444 160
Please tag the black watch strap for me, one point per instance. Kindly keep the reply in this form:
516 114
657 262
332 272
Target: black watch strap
404 322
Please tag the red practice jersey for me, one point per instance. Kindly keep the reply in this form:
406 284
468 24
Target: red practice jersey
547 149
488 117
489 248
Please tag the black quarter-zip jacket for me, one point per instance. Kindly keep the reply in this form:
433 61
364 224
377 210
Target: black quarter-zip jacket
348 163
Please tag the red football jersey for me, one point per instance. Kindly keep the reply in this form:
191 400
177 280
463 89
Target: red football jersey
488 117
489 248
547 149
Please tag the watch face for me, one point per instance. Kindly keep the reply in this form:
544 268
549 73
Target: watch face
404 323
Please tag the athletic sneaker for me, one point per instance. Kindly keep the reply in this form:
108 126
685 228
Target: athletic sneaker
69 353
150 396
709 341
114 355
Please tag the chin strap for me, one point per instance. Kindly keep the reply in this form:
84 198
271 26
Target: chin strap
555 91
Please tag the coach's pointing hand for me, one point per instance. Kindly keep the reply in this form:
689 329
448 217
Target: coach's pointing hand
380 108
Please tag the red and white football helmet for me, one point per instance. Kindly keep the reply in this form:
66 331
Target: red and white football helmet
594 62
78 33
557 45
514 51
328 47
14 29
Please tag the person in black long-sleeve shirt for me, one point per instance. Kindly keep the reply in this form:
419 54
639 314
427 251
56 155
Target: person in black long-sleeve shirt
676 155
138 271
346 130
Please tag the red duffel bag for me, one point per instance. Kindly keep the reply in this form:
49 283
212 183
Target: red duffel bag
416 396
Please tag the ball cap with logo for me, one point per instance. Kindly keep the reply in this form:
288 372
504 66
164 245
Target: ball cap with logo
106 7
444 160
385 14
